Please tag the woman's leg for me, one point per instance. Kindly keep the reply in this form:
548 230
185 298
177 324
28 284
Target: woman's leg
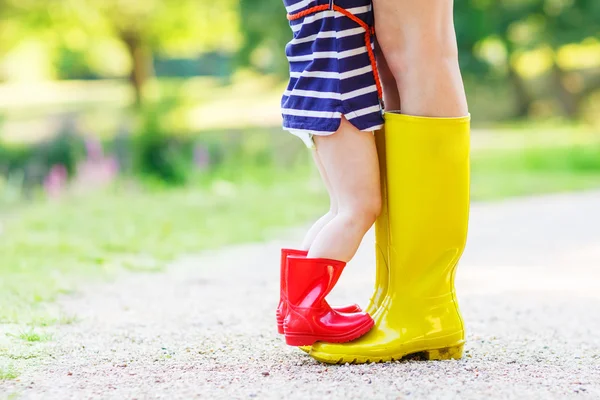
333 206
391 96
418 41
349 158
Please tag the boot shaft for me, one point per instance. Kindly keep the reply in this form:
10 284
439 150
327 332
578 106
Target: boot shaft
285 253
381 230
428 192
309 280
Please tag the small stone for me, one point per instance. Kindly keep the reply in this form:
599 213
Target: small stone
266 373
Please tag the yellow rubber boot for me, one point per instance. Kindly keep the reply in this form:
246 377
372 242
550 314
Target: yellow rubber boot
428 194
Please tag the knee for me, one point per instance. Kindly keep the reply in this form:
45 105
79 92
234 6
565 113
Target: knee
426 59
363 213
423 48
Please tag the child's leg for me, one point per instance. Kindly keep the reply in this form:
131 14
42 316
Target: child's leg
349 158
333 206
392 102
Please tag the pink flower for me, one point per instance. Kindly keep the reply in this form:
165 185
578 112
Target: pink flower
56 181
201 157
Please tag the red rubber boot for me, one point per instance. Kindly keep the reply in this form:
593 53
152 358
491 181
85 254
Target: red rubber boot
309 318
282 307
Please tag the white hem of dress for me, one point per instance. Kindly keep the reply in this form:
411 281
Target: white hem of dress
306 135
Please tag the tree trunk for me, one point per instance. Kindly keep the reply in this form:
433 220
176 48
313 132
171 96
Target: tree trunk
569 102
141 59
522 96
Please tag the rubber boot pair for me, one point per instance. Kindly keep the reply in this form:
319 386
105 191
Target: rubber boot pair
420 237
303 314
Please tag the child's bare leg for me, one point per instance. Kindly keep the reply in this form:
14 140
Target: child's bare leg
333 206
392 102
349 158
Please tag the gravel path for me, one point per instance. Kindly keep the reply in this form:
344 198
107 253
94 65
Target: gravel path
528 286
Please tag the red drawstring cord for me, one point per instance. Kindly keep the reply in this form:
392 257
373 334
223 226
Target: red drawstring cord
369 32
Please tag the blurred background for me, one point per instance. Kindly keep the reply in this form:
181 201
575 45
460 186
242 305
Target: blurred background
134 131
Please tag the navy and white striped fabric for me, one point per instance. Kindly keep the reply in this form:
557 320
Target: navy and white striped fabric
330 71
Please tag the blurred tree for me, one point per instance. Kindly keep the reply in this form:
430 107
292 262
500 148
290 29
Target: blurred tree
570 21
524 25
29 23
18 18
182 27
496 37
485 33
147 26
265 34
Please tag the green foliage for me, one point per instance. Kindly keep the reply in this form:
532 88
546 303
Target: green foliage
254 149
266 31
500 173
166 25
582 159
70 29
234 155
34 162
512 26
65 149
527 23
71 64
492 36
14 157
160 155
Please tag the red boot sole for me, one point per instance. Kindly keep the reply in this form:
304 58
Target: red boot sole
298 340
280 321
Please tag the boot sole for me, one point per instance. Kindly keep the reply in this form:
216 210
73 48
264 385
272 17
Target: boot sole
281 330
446 353
305 349
301 340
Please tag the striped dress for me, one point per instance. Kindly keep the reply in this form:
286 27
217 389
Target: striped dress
331 72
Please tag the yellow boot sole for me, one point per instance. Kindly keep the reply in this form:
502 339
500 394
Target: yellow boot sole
446 353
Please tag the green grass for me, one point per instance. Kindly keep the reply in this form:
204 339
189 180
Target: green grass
47 248
8 373
32 336
504 173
